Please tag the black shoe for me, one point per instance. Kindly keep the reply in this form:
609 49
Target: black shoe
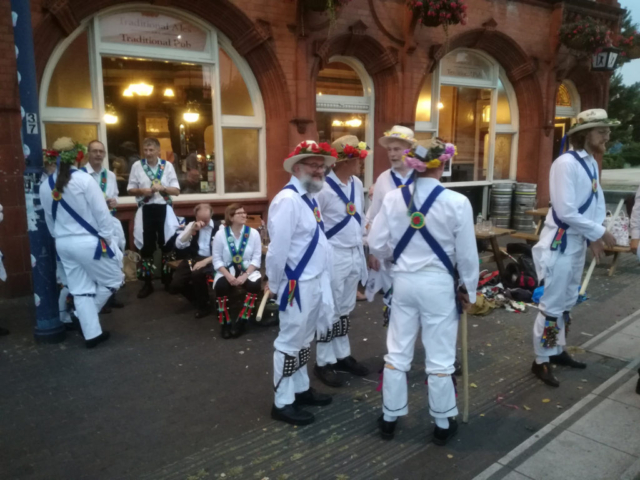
313 398
114 303
103 337
203 312
387 429
146 290
543 372
225 332
70 327
565 359
105 309
292 414
458 368
328 376
442 435
351 365
638 387
237 328
3 332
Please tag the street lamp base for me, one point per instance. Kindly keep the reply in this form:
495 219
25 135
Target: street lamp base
50 336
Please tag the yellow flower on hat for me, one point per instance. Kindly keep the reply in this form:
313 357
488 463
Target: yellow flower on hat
435 163
362 146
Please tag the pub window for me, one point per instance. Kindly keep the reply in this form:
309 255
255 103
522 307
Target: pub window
130 74
567 109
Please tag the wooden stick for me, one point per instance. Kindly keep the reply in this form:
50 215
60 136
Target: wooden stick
465 368
263 303
585 284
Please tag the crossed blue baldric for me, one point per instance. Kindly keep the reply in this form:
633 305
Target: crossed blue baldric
351 200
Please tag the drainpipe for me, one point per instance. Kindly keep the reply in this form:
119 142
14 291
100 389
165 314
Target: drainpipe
47 328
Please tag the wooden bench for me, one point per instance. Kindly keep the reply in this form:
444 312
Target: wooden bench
530 237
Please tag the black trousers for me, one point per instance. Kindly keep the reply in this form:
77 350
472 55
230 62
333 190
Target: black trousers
223 288
192 284
153 217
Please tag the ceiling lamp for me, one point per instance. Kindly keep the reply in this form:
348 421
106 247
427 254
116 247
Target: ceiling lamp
168 92
127 93
337 123
440 105
354 123
191 115
141 89
110 115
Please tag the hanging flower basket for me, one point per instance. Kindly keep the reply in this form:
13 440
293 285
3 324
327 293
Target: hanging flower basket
323 5
629 43
585 35
433 13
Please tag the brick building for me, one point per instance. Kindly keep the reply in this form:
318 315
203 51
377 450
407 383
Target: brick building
230 87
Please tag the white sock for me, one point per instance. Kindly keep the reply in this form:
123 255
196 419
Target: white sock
389 418
442 422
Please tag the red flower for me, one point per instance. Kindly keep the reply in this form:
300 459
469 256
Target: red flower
297 150
315 149
325 146
363 154
304 144
79 156
418 4
333 152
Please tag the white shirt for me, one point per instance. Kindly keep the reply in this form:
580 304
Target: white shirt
449 221
384 184
139 179
334 210
205 241
112 183
85 197
291 226
570 187
222 256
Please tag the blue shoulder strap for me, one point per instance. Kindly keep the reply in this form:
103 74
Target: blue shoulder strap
312 204
350 204
397 180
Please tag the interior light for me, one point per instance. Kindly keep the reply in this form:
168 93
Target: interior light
179 37
127 93
110 119
354 122
181 126
191 116
320 93
141 89
440 105
486 113
168 92
337 123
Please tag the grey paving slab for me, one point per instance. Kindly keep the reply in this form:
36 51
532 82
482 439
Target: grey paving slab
516 476
612 423
633 329
627 393
620 345
574 457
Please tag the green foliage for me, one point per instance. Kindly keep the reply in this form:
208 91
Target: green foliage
624 105
612 161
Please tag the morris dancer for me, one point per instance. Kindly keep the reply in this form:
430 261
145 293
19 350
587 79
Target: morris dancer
152 181
237 255
109 186
79 220
428 232
341 203
396 141
192 276
578 210
297 266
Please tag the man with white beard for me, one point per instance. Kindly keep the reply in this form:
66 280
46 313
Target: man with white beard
297 268
578 210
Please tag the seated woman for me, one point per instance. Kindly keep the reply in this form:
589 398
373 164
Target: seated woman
237 252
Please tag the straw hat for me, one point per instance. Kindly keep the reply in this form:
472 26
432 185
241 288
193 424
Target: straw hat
398 132
309 148
349 147
594 118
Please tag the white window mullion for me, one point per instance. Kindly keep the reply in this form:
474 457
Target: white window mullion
217 130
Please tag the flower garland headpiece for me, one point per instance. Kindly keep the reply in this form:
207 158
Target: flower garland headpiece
349 152
314 149
438 152
69 151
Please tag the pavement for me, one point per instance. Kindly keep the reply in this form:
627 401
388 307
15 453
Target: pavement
167 398
622 178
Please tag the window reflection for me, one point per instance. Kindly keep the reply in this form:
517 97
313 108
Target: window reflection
80 132
337 78
70 85
423 109
234 96
241 160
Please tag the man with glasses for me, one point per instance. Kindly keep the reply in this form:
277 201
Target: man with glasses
107 182
297 266
575 218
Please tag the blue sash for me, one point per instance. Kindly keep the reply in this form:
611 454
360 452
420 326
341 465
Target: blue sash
350 204
417 223
291 292
560 239
103 247
398 182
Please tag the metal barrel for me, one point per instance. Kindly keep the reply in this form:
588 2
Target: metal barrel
524 200
500 206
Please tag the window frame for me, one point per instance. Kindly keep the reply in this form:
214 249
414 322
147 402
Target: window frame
497 73
209 60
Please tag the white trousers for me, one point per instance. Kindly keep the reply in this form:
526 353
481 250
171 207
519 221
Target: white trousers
297 329
426 299
91 282
344 286
61 278
563 274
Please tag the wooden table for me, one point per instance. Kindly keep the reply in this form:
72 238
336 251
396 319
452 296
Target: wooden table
492 236
541 213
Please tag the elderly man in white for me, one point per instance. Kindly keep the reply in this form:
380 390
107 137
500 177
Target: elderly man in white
578 210
341 202
297 267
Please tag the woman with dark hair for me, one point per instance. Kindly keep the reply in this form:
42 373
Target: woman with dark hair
79 220
237 253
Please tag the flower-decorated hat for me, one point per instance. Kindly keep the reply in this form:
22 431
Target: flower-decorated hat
64 147
309 148
430 154
594 118
397 132
349 147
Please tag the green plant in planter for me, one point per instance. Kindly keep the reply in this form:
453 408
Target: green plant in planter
628 40
433 13
585 35
329 6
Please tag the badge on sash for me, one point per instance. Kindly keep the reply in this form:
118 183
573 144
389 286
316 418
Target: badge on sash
316 212
351 209
157 182
417 220
594 184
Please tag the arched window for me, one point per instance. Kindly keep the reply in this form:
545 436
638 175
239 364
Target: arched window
128 74
469 101
344 105
567 110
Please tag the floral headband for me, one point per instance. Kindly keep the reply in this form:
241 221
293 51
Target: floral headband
420 158
402 136
314 149
69 152
349 152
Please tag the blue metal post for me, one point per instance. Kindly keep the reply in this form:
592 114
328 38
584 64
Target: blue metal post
47 328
